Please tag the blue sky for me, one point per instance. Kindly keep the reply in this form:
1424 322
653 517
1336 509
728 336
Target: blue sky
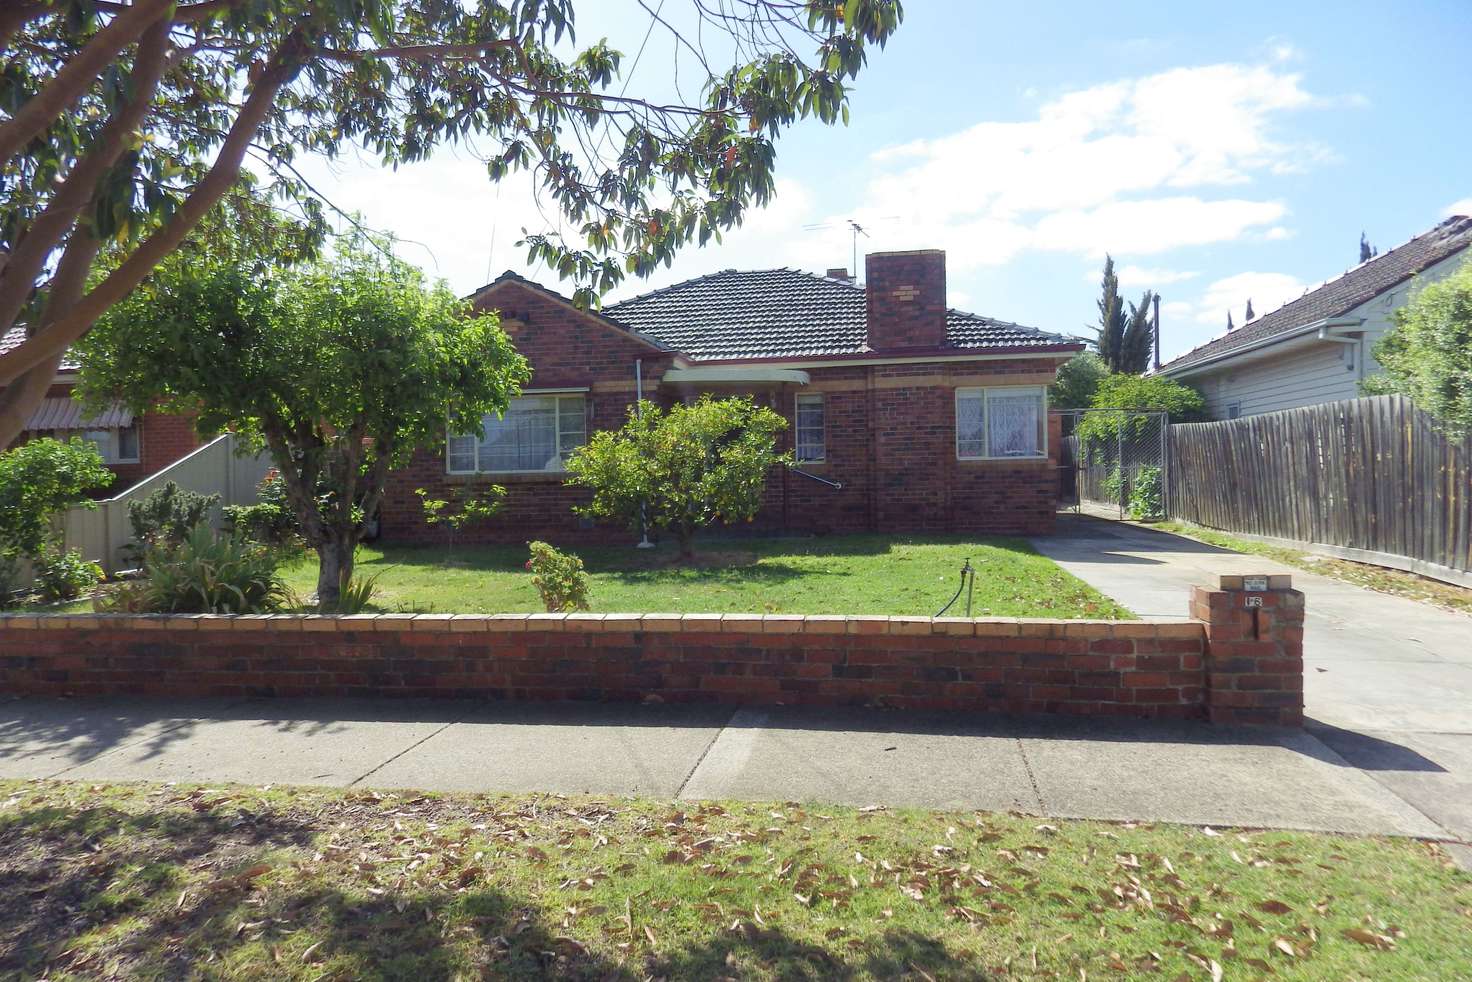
1218 156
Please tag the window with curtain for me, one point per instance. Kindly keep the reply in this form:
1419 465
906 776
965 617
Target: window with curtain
538 433
1006 421
808 440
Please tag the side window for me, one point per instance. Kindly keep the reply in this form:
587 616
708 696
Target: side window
808 442
1234 409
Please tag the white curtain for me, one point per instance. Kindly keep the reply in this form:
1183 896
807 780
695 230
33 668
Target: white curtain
1014 424
970 437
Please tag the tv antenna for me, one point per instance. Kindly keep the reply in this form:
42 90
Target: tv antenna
855 230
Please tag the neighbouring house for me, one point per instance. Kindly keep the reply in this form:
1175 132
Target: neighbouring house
904 415
1317 348
132 447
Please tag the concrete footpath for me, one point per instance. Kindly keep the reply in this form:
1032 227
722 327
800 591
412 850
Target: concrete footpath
1388 681
1189 773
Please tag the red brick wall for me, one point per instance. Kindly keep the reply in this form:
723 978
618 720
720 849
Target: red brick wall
906 294
1235 663
890 441
1254 672
567 349
1080 668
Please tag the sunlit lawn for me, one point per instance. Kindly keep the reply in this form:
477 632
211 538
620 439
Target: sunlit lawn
165 882
855 574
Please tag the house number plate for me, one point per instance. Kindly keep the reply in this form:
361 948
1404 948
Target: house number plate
1254 602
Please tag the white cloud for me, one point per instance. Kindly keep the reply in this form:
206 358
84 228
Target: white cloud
1128 166
1463 207
1184 324
1148 277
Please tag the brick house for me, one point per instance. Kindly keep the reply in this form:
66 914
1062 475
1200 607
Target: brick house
904 414
132 447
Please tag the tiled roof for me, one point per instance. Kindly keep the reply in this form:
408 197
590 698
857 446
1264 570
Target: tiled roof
1339 296
786 313
12 339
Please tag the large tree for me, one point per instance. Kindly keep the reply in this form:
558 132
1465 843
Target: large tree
1427 355
1123 339
340 368
126 121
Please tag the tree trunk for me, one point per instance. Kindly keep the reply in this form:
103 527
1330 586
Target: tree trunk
685 536
335 567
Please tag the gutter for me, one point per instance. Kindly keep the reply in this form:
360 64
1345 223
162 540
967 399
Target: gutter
1325 329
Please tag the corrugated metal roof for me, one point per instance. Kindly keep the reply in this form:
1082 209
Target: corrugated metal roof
1339 296
62 413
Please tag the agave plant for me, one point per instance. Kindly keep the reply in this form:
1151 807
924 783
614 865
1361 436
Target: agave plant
209 573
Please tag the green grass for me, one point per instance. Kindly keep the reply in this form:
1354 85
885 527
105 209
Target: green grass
1378 578
147 881
853 574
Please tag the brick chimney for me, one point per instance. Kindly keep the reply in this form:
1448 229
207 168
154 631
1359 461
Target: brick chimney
906 299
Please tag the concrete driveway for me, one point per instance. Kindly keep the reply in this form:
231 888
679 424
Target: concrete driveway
1388 681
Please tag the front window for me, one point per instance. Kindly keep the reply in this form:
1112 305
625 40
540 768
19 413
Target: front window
1001 422
538 433
809 429
116 446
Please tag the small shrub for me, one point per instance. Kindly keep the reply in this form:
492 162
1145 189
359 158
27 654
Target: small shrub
1112 484
559 577
214 574
166 516
9 577
1147 496
356 593
270 519
464 506
64 574
127 597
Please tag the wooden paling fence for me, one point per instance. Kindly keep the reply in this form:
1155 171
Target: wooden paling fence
1371 479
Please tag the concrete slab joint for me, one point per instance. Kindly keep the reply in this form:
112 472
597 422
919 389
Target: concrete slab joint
1239 660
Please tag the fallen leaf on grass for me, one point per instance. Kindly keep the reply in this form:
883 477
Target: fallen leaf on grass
1274 907
1369 938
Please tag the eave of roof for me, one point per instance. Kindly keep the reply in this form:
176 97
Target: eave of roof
1333 298
510 277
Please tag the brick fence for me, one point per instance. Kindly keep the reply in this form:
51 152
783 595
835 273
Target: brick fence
1232 663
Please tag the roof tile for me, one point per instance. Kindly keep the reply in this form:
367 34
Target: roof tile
1339 296
786 313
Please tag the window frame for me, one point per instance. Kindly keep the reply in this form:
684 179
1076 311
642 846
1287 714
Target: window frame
1039 390
557 395
112 455
822 457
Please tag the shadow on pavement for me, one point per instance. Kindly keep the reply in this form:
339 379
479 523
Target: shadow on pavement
1371 753
75 731
1132 537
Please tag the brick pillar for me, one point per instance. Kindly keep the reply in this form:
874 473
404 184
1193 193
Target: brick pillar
1254 649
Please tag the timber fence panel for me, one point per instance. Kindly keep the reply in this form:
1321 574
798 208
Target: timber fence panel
1372 477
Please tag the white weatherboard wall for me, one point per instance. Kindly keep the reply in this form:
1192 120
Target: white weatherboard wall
102 532
1307 372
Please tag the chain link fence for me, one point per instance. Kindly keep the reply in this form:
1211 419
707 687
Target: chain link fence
1116 459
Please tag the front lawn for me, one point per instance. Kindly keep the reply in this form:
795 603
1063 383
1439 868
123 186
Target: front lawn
147 881
851 574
